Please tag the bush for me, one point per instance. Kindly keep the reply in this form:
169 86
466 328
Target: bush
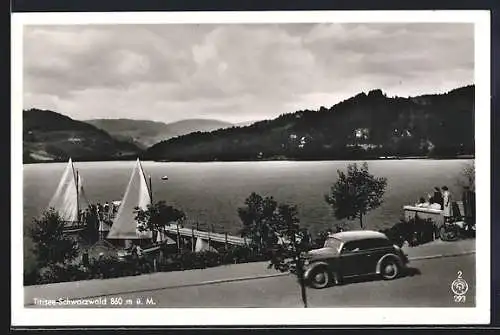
319 241
56 273
31 277
112 267
189 260
399 233
238 254
199 260
416 231
50 245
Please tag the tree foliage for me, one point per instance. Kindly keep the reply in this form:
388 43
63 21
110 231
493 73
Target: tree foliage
356 193
51 246
156 216
294 241
258 219
468 176
275 228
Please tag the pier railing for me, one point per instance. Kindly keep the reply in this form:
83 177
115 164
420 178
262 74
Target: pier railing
73 226
206 235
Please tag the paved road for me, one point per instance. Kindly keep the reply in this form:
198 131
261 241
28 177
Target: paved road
427 286
162 280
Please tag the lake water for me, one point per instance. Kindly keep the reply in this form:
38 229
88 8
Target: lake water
211 193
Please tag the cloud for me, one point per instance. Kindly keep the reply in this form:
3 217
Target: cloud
235 72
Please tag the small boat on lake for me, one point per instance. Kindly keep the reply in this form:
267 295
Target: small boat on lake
124 230
137 194
69 199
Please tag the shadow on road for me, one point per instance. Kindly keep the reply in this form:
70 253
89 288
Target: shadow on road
409 272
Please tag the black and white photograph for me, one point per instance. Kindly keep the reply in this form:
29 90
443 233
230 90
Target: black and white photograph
251 168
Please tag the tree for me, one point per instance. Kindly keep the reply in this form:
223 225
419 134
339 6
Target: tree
468 176
356 193
275 228
92 224
467 180
294 242
51 246
257 217
156 216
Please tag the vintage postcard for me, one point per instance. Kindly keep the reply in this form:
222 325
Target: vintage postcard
251 168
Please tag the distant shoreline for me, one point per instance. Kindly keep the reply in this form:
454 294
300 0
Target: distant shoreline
265 160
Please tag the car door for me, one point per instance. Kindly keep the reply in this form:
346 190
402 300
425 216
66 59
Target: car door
356 258
376 248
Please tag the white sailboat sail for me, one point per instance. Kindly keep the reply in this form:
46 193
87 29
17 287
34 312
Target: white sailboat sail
69 197
137 194
202 245
82 198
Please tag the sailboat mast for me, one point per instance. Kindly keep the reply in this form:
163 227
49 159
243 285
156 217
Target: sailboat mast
77 199
150 189
77 195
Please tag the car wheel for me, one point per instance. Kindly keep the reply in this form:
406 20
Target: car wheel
320 278
390 269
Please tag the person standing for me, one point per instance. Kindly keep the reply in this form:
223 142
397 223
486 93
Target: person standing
85 260
437 198
99 211
469 202
447 204
106 211
100 265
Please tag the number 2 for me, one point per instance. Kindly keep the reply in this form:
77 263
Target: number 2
459 274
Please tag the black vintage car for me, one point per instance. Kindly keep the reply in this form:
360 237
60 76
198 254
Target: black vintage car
353 253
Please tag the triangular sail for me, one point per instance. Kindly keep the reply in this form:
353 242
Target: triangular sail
137 195
82 198
202 245
67 200
164 239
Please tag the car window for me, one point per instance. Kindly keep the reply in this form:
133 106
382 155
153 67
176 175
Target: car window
378 243
332 242
353 246
363 245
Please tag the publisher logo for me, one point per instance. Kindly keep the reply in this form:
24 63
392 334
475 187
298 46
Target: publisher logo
459 287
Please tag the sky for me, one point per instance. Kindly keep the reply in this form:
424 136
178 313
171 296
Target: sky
235 72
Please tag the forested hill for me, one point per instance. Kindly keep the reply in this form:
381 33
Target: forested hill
49 136
363 127
145 133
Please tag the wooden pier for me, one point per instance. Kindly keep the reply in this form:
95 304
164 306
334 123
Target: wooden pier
73 227
177 234
206 235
